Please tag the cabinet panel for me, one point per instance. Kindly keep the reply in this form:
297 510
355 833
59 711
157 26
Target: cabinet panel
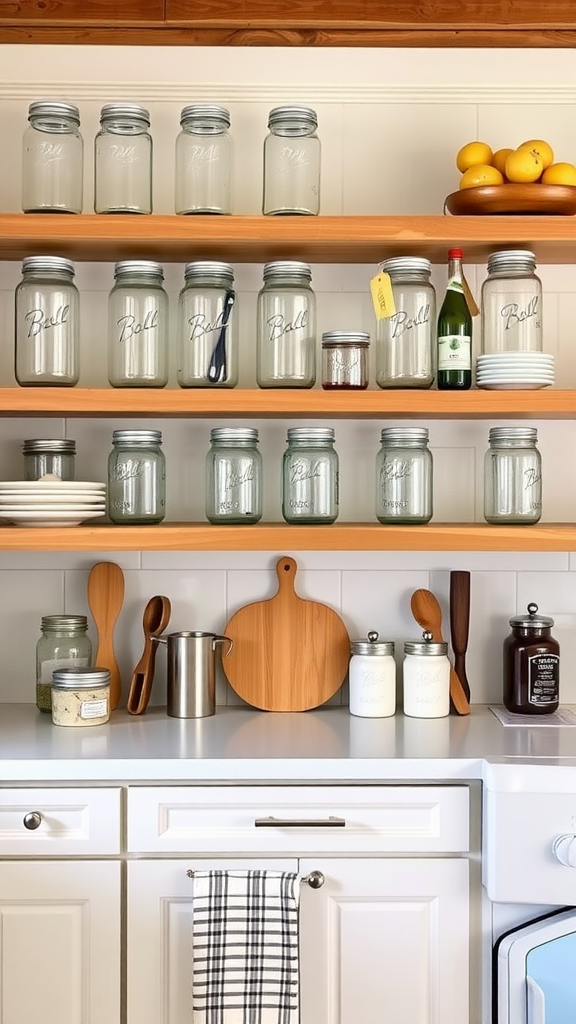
70 821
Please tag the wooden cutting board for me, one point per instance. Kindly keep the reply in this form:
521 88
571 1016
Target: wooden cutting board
288 654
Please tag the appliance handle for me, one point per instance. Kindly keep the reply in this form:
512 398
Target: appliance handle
536 1003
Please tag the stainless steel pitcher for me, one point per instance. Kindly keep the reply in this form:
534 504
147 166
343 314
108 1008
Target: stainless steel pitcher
191 672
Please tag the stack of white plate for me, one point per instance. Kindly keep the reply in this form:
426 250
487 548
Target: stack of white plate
520 370
51 502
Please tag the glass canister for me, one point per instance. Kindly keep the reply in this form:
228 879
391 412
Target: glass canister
64 643
512 476
136 477
81 696
292 162
47 323
372 677
406 341
204 160
531 665
123 160
404 476
53 159
310 476
49 457
233 476
426 678
138 326
286 327
345 360
511 303
207 346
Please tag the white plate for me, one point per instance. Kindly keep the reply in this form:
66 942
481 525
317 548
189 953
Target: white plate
54 486
51 510
50 518
515 376
512 386
514 379
28 498
486 364
528 357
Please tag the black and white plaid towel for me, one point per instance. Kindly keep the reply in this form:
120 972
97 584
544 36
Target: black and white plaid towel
245 942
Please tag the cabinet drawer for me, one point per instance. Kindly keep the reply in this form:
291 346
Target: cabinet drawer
298 819
55 821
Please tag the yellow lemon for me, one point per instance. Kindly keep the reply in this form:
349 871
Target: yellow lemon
542 149
499 159
559 174
473 153
523 165
481 174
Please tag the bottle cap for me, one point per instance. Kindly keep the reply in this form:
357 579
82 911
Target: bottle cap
455 254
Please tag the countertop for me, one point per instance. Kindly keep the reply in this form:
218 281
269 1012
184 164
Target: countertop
237 744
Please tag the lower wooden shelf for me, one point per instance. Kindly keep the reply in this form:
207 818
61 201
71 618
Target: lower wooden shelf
280 537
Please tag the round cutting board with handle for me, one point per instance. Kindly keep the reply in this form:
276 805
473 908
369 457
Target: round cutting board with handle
288 654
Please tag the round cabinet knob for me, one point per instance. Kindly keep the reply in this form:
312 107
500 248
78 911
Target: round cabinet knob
564 849
32 820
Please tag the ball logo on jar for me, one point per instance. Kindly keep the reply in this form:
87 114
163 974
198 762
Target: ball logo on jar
279 326
304 469
396 469
123 154
38 320
237 477
128 326
290 159
200 325
200 157
401 322
48 153
512 314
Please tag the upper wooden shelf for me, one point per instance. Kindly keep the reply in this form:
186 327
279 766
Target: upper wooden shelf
256 239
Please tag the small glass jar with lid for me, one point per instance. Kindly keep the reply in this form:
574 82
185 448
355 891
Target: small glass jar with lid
64 643
345 360
136 477
310 476
511 303
47 323
404 476
513 476
531 665
234 476
123 160
426 678
372 677
207 345
292 162
138 326
81 696
406 341
204 160
53 159
286 327
52 457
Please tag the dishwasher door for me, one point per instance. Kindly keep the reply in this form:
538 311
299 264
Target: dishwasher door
534 971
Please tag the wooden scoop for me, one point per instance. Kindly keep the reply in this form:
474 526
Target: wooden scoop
428 614
154 621
105 598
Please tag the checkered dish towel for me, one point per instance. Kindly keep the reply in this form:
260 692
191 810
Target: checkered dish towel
245 942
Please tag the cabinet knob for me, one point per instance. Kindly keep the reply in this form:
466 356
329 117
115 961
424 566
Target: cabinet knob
315 879
32 820
564 849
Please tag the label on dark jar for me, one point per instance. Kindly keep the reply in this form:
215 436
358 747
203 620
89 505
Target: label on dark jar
543 678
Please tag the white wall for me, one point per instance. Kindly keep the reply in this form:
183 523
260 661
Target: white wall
390 124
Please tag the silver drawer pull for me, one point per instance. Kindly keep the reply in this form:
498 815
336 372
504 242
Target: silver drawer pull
32 820
330 822
315 879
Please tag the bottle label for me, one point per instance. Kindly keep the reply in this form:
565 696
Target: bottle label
543 679
454 352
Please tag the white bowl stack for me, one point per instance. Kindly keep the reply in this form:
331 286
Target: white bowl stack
514 370
51 501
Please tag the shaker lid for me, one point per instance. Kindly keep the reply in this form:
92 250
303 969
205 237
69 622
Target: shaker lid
532 619
372 645
426 646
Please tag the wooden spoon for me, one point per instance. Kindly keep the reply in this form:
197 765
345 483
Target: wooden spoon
428 614
154 621
105 597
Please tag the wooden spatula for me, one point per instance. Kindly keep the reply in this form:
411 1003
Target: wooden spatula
105 597
428 613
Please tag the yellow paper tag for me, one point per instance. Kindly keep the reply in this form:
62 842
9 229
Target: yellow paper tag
382 296
470 300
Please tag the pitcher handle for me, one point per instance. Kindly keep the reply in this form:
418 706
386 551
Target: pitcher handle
224 639
158 639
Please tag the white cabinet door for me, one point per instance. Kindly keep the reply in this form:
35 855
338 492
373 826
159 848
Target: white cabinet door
60 942
385 940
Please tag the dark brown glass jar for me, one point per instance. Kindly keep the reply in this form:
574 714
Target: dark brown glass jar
531 665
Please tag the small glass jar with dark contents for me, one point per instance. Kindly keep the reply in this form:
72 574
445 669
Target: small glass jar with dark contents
345 360
531 665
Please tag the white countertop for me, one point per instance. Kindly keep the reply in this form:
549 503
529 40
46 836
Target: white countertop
239 744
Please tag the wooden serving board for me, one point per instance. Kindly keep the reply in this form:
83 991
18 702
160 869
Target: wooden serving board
288 654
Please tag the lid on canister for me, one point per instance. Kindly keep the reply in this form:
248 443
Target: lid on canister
512 434
532 619
64 622
142 437
310 434
403 264
59 446
404 435
286 268
47 265
124 112
425 647
54 108
512 259
207 116
80 678
143 267
372 645
208 268
234 434
337 339
292 117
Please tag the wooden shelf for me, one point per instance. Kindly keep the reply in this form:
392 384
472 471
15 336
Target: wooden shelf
321 239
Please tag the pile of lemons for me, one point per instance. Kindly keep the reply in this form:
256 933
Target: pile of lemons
531 162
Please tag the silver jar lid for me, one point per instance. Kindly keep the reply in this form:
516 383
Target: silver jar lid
512 259
234 434
64 622
143 267
532 620
425 647
124 112
338 339
47 265
372 645
54 108
38 445
406 264
286 268
208 268
80 678
206 116
512 434
290 118
404 435
142 437
310 434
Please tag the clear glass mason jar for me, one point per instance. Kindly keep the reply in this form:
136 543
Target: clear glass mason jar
512 476
207 346
404 476
81 696
406 341
123 160
233 476
511 303
52 159
345 360
49 457
136 477
64 643
310 476
47 323
138 326
204 160
286 327
292 162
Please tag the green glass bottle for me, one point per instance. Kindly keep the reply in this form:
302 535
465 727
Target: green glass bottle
454 331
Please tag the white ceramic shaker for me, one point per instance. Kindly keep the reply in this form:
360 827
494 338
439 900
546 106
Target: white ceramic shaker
372 677
426 677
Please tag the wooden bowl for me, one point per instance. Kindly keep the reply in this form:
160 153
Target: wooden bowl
526 199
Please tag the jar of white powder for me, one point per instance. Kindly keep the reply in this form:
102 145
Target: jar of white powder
81 696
